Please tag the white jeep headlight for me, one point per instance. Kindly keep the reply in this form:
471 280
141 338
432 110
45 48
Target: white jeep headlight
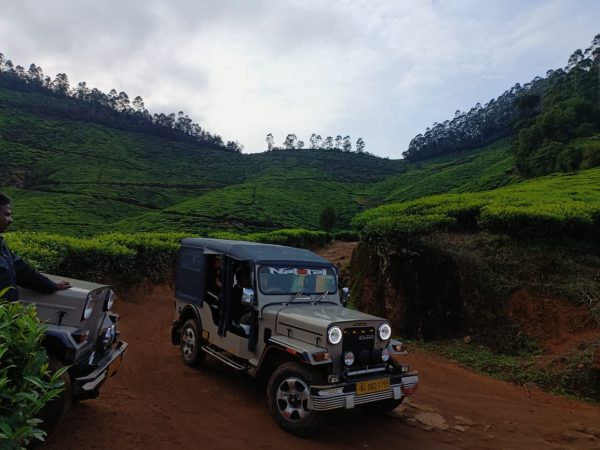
334 335
89 307
385 331
110 300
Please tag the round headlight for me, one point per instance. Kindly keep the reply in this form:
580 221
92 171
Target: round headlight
110 300
385 331
348 358
385 355
334 335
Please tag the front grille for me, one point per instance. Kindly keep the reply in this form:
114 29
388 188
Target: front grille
361 342
93 323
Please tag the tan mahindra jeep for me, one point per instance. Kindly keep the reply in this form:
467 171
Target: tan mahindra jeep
81 332
275 312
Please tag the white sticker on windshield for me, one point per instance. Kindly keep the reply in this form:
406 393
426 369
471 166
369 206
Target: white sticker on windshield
296 271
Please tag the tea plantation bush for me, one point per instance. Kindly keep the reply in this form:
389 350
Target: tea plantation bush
25 382
295 237
557 205
126 259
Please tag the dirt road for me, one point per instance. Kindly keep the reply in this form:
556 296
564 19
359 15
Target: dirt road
156 402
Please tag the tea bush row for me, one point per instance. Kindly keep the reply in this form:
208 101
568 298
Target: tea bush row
557 205
126 259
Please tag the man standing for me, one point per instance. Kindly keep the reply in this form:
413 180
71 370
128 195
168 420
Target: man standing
13 270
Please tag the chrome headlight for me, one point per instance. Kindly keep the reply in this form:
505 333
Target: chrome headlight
110 300
334 335
384 331
89 307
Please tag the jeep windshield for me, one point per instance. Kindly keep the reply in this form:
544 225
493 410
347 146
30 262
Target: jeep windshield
289 280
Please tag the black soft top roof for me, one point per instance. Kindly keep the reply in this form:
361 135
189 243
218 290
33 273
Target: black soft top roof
254 251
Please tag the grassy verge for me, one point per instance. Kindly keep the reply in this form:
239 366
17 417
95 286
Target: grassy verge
573 374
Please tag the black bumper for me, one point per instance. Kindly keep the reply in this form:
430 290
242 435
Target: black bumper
88 385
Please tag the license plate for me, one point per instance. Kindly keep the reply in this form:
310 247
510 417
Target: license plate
114 366
367 387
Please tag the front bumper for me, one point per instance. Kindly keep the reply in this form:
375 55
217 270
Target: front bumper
325 398
107 367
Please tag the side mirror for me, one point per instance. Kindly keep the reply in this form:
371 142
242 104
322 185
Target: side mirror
345 295
248 296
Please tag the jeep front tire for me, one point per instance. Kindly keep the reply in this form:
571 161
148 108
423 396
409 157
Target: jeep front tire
288 393
191 353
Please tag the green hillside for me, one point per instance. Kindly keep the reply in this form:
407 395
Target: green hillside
75 177
476 170
555 205
82 178
276 198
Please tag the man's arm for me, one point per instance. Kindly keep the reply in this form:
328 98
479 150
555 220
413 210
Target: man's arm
31 279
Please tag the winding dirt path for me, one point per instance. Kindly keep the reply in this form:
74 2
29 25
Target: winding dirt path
156 402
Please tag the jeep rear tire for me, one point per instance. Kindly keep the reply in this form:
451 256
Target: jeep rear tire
191 343
56 409
288 393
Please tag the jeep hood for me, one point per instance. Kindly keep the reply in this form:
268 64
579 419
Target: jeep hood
306 322
65 307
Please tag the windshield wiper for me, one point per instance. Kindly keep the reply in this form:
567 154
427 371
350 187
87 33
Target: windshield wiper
297 296
322 297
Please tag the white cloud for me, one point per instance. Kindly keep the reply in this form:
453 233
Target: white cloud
382 70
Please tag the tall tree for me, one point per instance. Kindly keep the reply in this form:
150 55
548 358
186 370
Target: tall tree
360 145
318 141
138 105
327 218
290 141
82 91
347 145
35 75
270 142
339 142
60 85
234 146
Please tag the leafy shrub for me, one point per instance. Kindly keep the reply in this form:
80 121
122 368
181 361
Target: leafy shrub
346 235
154 254
295 237
327 218
557 205
25 382
590 151
126 259
549 144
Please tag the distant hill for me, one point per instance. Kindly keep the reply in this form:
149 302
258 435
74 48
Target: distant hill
553 122
475 170
92 173
77 177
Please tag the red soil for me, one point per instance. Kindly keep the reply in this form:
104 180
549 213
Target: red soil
559 325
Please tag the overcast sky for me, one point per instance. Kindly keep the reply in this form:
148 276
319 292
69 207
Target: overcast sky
380 70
